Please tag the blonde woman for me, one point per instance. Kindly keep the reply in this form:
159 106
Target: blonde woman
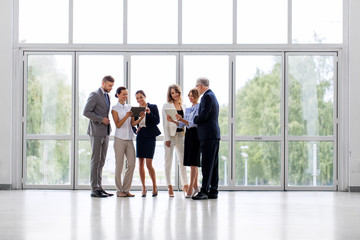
174 138
192 142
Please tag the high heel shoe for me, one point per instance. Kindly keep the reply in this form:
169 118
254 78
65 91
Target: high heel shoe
196 190
144 193
155 194
185 188
171 191
189 195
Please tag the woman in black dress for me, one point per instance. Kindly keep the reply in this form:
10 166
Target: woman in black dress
146 140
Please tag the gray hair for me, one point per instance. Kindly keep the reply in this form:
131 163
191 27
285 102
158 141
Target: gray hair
203 81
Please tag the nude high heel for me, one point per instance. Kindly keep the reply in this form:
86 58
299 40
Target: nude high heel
171 191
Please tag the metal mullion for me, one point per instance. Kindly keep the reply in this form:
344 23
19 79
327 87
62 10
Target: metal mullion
336 123
289 21
283 123
71 21
311 188
24 118
76 128
232 112
286 121
125 20
311 138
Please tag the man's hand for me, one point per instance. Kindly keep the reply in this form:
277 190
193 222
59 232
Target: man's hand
105 121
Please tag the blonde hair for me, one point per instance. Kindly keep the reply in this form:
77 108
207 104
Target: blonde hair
177 89
195 93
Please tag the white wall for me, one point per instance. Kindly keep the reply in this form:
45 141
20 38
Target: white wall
354 83
6 19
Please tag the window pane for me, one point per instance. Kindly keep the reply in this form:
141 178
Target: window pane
48 162
153 21
92 69
317 21
258 95
258 163
84 155
224 162
269 18
311 95
311 163
49 94
153 74
43 21
98 22
216 69
207 21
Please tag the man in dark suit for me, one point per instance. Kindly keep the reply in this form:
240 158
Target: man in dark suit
209 135
97 110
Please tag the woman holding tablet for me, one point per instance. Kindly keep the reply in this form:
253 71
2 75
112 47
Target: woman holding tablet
174 138
123 143
192 142
146 140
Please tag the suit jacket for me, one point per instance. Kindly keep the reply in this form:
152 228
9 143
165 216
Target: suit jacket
207 119
169 127
152 120
96 109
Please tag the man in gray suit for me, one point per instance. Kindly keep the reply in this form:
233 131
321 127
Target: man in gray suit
97 110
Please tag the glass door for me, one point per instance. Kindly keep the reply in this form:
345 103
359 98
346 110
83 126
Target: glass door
258 110
310 124
154 73
48 120
91 68
215 67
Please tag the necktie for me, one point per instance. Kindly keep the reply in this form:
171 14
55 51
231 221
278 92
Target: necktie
107 99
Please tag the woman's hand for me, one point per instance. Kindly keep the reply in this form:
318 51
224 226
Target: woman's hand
129 114
169 118
178 117
142 115
167 143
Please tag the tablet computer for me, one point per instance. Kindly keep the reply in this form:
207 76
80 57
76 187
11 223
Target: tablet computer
137 110
172 112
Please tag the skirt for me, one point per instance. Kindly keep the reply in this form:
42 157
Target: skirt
192 148
145 144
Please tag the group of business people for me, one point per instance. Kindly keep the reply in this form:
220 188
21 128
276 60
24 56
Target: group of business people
191 133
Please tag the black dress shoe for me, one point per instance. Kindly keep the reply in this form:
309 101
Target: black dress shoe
109 194
98 193
212 196
200 196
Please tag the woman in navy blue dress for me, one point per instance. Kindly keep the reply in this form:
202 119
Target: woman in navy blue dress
146 140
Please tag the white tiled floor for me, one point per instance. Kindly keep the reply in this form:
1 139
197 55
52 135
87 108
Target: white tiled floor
60 214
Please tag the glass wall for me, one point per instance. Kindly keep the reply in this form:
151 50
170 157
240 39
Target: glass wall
277 102
258 147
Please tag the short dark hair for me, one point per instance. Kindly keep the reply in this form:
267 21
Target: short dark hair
141 92
118 90
108 78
